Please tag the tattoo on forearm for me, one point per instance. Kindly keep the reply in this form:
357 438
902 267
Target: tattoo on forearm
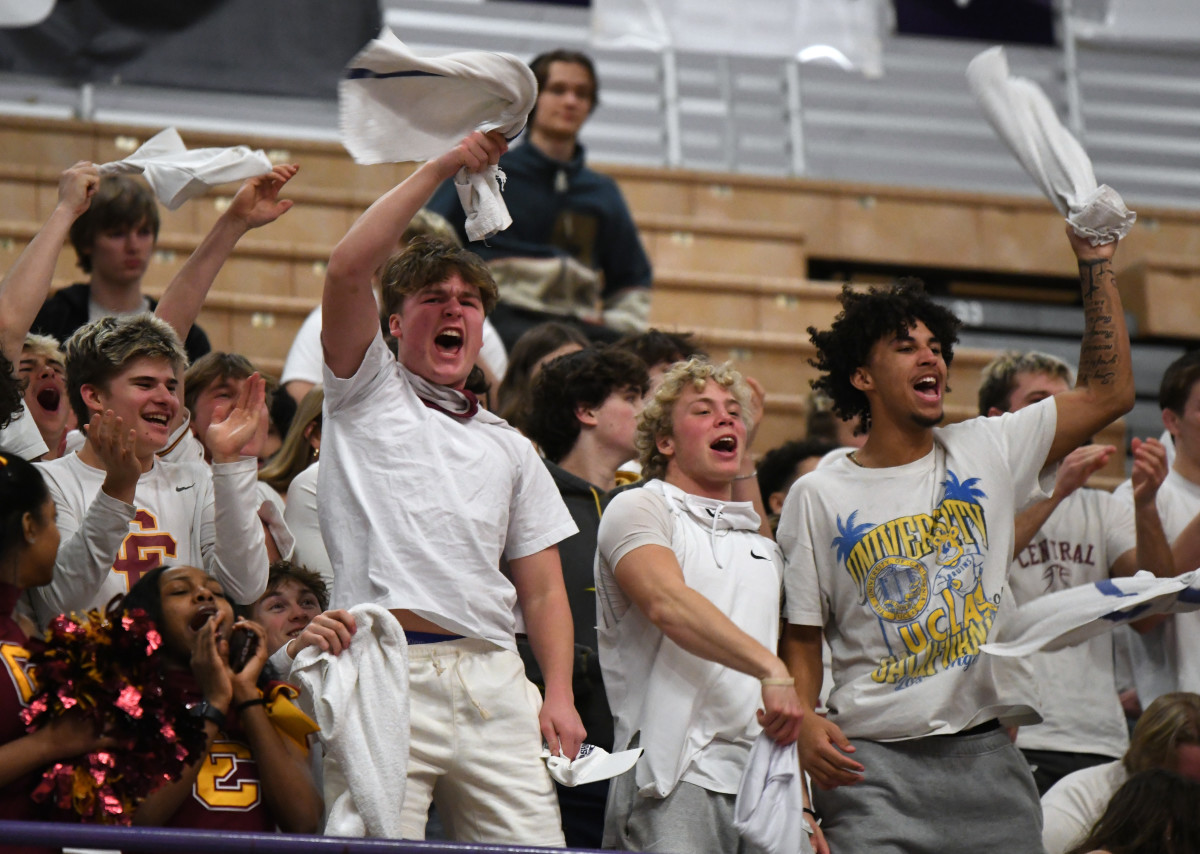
1099 358
1090 273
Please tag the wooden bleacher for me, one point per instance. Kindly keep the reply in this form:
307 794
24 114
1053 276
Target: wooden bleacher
730 251
1162 291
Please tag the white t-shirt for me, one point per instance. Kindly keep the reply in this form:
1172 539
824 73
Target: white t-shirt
420 507
1167 658
696 717
1081 712
21 436
303 518
305 359
905 569
185 515
1075 803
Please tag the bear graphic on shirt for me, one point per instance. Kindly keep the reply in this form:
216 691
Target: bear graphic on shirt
921 576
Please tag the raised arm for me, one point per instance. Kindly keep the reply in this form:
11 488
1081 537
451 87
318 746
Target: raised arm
349 316
232 537
1073 473
1104 390
745 485
1153 552
27 283
256 204
91 535
651 577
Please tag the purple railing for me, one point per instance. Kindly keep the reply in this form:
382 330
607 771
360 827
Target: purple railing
129 839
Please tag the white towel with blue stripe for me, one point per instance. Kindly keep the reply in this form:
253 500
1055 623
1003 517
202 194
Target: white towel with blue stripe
395 106
1072 616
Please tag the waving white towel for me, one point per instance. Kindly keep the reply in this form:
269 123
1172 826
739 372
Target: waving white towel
360 700
1024 118
1074 615
176 174
396 106
769 809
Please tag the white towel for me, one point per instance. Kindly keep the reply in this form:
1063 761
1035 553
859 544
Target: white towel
1074 615
360 700
396 106
176 174
592 764
1024 118
769 810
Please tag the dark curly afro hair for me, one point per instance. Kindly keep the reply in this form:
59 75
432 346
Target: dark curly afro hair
867 317
11 390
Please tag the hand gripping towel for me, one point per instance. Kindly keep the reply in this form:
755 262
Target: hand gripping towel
360 701
769 809
176 174
1072 616
395 106
1025 120
592 764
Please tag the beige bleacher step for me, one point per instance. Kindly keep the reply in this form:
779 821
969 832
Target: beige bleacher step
1163 292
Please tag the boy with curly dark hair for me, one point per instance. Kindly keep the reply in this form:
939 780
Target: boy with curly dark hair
867 317
898 553
583 415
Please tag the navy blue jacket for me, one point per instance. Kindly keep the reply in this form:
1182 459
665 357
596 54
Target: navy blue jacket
559 209
64 312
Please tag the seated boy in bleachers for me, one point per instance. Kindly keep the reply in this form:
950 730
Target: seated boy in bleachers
295 595
44 372
114 240
22 290
211 386
584 409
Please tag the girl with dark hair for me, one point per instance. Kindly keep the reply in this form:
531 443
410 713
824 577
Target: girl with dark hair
255 772
27 550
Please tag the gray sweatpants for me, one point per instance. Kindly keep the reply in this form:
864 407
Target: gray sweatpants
938 795
690 820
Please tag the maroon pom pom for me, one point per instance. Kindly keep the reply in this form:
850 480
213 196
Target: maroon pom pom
107 667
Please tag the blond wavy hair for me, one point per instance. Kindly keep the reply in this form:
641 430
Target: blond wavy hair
45 347
998 378
657 418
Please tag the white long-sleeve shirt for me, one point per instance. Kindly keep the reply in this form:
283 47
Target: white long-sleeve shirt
184 514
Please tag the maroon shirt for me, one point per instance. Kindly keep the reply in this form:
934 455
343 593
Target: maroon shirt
16 688
227 794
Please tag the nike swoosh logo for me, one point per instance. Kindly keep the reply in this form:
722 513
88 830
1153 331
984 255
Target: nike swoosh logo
757 556
182 488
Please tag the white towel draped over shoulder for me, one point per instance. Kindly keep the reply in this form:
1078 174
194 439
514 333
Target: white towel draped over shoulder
360 701
395 106
1025 119
176 174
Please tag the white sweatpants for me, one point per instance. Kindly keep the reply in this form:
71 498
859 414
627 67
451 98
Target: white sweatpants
475 747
